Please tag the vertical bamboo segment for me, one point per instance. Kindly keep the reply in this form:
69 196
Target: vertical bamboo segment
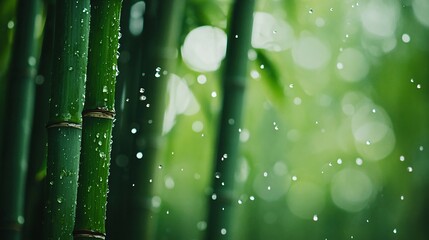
18 123
98 117
234 82
64 127
163 21
35 184
125 100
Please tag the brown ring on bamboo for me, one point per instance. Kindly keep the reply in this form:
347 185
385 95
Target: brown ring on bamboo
64 124
88 234
99 113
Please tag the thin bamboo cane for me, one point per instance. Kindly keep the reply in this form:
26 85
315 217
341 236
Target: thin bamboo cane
163 21
234 82
20 113
98 118
125 101
64 127
35 184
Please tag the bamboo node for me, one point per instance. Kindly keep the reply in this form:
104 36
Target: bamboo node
64 124
84 233
99 113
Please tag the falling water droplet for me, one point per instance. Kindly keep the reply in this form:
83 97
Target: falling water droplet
315 218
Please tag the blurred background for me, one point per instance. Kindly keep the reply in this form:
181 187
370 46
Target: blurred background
335 138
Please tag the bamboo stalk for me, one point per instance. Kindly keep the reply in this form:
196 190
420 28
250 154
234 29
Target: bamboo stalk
98 118
234 81
64 127
7 12
18 124
163 21
125 101
35 184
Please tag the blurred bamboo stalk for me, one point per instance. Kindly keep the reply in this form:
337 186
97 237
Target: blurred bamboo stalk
64 127
36 176
19 112
7 14
162 26
234 82
98 118
125 101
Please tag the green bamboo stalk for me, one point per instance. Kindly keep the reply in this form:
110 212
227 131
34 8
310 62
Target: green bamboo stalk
7 12
98 118
64 127
18 124
35 184
125 100
234 81
163 20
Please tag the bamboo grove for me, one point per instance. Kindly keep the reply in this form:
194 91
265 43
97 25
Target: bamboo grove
235 119
78 68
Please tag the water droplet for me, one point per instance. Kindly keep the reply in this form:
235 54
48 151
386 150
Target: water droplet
51 183
214 94
10 24
269 188
70 68
252 198
359 161
310 11
410 169
419 86
315 218
217 175
401 158
157 75
402 198
368 142
395 231
105 89
59 199
340 66
294 178
133 130
421 148
339 161
201 225
262 66
223 231
406 38
240 202
160 166
236 36
32 61
214 196
331 9
265 174
139 155
291 85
